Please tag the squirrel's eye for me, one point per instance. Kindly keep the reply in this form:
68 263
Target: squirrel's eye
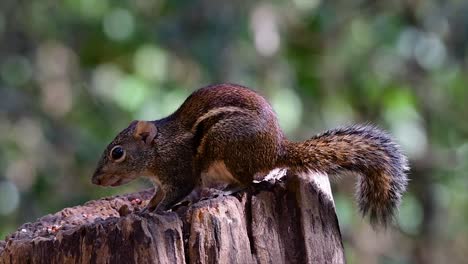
117 154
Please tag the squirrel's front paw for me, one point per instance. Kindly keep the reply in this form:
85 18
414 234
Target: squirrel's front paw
150 209
146 211
143 212
210 193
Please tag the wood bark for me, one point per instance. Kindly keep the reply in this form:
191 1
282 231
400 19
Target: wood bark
291 221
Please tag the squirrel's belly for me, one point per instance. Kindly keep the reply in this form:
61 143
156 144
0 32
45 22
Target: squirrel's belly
217 176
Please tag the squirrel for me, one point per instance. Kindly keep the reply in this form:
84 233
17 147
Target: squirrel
230 134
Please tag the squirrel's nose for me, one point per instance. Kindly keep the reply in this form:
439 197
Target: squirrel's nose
96 180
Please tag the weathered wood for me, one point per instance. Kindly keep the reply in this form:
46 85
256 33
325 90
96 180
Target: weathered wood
292 222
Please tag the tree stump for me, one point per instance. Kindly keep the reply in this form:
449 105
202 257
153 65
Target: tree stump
292 221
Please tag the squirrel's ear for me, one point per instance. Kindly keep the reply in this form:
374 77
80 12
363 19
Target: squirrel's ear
145 131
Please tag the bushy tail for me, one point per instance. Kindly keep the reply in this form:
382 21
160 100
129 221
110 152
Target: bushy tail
363 150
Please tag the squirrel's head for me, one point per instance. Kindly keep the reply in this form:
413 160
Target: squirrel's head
128 156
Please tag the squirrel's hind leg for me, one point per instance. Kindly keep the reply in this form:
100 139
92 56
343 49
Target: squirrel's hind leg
238 147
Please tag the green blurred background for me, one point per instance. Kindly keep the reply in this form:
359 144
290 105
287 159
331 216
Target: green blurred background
75 72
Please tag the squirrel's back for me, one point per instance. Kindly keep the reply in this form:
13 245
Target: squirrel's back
224 98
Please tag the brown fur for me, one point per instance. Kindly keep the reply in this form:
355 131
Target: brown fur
232 130
362 150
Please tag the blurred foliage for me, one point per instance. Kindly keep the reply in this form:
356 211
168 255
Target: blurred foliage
75 72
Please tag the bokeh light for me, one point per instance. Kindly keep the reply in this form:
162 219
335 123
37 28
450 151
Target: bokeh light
9 197
118 24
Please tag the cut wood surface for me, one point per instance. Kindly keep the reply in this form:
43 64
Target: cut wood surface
293 221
